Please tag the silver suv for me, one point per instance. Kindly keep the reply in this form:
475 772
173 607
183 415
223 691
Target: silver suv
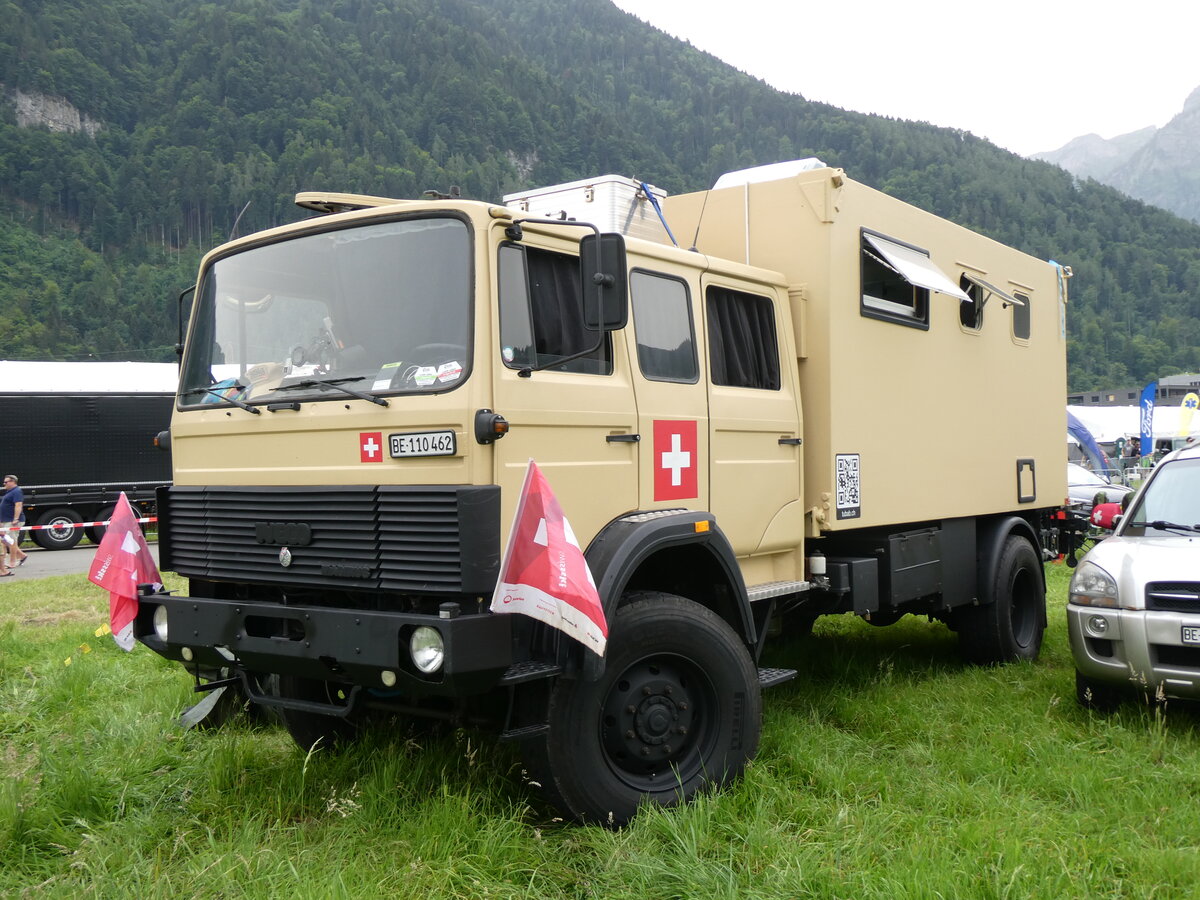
1133 609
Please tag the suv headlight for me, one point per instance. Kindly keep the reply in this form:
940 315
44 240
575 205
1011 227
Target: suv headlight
427 649
1092 586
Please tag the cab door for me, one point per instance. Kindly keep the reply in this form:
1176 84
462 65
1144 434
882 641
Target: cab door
672 404
578 421
754 418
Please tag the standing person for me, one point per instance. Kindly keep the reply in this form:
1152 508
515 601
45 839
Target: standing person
12 516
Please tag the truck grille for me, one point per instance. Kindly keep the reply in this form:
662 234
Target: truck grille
428 539
1173 596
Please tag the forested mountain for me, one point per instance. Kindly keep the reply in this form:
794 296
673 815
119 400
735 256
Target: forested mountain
184 117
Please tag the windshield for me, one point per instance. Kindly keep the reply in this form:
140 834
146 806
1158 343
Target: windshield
1171 496
1077 474
377 308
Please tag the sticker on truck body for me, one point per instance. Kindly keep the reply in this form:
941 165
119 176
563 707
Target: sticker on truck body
675 465
849 486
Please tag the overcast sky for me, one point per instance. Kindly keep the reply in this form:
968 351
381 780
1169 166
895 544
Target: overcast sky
1028 75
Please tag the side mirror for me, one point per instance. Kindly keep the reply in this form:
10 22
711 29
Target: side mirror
603 272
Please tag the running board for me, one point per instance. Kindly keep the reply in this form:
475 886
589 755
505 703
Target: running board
771 677
777 589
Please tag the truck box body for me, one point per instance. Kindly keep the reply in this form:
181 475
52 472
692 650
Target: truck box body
78 434
938 419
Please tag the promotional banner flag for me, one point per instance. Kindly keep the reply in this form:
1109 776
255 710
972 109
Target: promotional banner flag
123 561
1147 408
544 574
1187 409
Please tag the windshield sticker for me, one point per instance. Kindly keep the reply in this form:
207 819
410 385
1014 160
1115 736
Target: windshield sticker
849 486
508 354
450 371
425 376
387 374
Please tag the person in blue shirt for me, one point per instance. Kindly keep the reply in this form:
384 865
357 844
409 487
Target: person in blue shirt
12 517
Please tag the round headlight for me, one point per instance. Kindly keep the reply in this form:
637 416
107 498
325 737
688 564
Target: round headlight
160 623
427 650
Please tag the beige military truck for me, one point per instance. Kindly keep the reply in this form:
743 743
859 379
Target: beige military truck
829 402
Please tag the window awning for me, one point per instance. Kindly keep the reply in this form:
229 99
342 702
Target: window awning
915 267
992 289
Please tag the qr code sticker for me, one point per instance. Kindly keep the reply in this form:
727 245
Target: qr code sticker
849 486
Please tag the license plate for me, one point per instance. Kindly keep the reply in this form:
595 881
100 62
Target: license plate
1190 634
423 443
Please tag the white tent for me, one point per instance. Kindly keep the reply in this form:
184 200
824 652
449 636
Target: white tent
1108 423
19 377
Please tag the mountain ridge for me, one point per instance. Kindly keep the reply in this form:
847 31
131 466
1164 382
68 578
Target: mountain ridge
213 114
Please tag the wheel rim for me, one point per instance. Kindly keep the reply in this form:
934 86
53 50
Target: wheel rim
1024 595
60 529
658 723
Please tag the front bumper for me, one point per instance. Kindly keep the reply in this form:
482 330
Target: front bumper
1141 649
355 647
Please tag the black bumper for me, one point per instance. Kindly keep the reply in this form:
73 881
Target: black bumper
354 647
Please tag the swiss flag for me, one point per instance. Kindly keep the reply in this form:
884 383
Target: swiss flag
123 561
544 574
675 463
370 446
1104 515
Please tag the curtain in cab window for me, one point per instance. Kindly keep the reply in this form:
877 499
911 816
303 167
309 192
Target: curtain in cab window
741 340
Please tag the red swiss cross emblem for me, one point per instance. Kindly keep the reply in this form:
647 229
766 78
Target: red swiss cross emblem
675 463
370 446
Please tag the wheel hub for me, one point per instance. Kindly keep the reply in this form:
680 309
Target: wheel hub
648 718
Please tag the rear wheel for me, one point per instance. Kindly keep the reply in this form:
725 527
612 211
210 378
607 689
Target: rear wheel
677 710
58 529
95 533
1010 623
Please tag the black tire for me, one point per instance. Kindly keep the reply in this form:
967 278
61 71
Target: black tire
1097 695
677 710
1010 622
62 533
310 729
95 533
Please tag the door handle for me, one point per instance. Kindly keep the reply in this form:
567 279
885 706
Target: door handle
795 442
623 438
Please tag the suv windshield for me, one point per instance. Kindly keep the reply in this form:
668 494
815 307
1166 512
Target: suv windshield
379 308
1171 498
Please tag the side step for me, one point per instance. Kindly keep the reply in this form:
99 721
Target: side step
771 677
776 589
528 671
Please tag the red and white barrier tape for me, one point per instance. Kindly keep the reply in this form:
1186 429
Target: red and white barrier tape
59 525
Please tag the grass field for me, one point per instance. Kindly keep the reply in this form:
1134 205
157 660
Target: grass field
887 769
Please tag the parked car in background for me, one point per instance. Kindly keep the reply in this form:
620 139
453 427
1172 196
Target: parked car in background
1083 485
1133 607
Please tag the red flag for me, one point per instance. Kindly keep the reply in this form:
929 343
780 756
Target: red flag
123 561
544 574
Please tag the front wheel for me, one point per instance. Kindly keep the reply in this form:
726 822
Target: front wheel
1010 623
678 709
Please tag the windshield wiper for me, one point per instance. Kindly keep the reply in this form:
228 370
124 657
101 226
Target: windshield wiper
1160 525
336 384
240 404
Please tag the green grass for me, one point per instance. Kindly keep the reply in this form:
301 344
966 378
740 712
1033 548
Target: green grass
888 769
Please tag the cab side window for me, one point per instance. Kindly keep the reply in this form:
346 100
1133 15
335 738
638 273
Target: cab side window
662 318
541 312
742 346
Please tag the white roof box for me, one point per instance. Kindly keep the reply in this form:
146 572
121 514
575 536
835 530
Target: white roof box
610 202
773 172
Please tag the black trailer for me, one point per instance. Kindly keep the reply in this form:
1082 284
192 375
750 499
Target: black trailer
75 451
